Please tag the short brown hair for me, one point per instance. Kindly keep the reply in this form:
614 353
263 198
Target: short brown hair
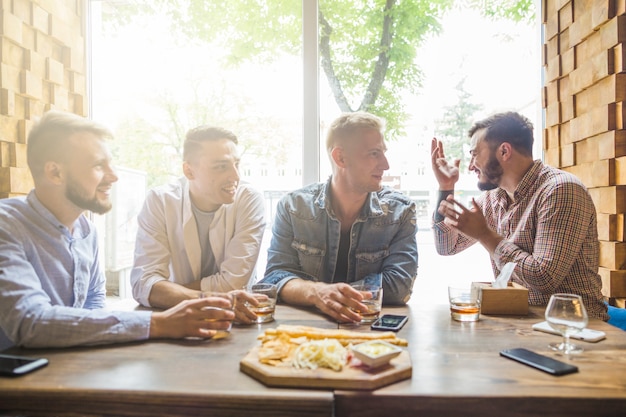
196 136
508 127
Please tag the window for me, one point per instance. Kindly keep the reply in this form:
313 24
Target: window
150 86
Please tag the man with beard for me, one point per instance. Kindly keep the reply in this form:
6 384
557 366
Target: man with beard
347 229
539 217
202 232
53 287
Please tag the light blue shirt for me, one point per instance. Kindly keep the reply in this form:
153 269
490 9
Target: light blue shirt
52 288
383 246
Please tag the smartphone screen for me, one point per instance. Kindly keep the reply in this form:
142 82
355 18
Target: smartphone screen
19 365
391 322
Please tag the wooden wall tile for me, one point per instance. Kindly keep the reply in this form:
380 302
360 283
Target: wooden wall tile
5 154
620 170
607 227
7 102
566 16
610 200
18 180
11 26
587 150
40 19
551 137
613 283
613 255
567 156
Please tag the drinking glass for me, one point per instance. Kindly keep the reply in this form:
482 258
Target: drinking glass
266 295
566 314
465 303
372 299
220 334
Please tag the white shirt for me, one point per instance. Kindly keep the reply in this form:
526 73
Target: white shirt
168 246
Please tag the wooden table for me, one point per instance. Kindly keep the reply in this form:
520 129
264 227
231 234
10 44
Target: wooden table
456 370
161 378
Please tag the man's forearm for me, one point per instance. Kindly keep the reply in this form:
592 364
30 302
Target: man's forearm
166 294
298 292
490 240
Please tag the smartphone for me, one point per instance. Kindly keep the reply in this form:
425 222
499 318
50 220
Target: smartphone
541 362
587 335
19 365
391 322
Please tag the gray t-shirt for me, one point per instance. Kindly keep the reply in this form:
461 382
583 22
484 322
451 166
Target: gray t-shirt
203 222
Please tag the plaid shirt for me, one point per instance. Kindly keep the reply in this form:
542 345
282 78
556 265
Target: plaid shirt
550 231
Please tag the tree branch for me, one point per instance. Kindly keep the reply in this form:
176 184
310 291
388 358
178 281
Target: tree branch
382 64
327 65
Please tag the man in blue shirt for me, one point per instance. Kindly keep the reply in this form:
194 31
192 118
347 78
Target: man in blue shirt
53 288
345 230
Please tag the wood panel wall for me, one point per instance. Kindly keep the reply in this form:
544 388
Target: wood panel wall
42 66
584 92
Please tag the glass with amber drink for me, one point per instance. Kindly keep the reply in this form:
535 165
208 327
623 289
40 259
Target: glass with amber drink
464 303
266 295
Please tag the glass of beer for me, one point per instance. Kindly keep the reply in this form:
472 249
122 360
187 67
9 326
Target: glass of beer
465 303
266 295
372 298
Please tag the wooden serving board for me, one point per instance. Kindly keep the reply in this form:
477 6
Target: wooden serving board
360 378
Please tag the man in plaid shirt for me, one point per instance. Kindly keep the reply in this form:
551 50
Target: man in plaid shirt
537 216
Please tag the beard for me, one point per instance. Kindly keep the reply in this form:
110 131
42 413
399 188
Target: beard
493 173
79 197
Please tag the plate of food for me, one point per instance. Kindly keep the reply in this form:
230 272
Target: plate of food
310 357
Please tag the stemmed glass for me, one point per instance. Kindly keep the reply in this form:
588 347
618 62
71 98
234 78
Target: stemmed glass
566 314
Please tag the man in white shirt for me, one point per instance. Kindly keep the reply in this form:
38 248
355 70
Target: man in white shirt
202 232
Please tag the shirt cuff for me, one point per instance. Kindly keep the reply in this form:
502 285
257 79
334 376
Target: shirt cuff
443 194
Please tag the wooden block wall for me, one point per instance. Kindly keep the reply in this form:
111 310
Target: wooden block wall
42 67
584 96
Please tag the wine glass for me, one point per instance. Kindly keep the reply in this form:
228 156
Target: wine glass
566 314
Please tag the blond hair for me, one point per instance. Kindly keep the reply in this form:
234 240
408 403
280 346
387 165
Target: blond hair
47 140
347 124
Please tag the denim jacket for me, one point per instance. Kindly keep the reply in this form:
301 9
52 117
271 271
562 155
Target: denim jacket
383 246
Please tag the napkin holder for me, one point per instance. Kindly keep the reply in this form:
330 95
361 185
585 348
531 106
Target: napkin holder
512 300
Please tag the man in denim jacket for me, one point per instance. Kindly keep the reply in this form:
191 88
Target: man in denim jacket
347 229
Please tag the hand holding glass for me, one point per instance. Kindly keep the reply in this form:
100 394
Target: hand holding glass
220 334
566 314
266 295
372 298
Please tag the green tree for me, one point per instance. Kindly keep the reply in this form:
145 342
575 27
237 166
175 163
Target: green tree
457 119
368 48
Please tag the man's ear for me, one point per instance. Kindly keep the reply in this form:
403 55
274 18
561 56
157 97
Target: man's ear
53 172
505 150
337 156
188 170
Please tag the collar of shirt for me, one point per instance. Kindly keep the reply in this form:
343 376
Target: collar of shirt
79 232
371 207
525 187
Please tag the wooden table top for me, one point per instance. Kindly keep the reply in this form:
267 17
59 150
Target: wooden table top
456 369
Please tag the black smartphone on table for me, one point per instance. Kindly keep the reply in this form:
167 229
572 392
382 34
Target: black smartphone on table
541 362
11 365
393 322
